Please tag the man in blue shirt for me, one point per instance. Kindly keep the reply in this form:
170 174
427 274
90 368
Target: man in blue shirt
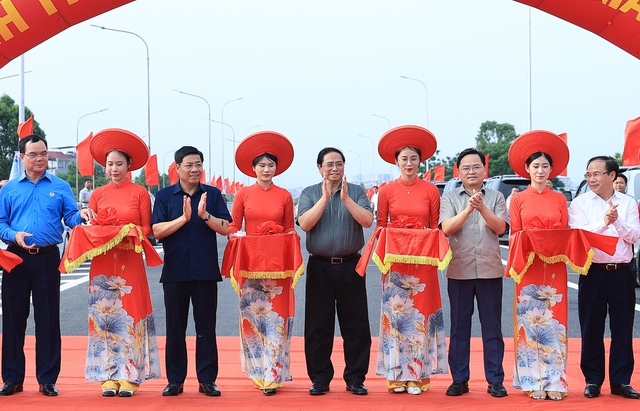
187 216
31 209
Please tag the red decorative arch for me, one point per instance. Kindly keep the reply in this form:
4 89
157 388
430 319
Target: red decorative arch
617 21
26 23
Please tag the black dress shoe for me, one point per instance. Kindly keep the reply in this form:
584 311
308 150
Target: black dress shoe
458 388
173 389
625 390
318 388
11 388
496 389
269 391
357 388
49 390
592 391
209 388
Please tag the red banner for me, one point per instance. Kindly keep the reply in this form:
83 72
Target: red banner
455 171
631 155
486 165
26 128
151 171
26 23
84 160
438 173
173 173
617 21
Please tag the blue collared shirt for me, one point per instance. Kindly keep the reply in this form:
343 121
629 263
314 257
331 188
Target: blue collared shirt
191 253
37 208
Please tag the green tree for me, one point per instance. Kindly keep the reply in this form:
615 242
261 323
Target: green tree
8 132
99 177
495 139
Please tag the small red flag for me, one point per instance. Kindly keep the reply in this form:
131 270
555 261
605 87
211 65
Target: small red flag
84 161
438 173
203 177
427 175
455 171
151 171
219 183
631 155
563 137
26 128
173 173
213 180
486 165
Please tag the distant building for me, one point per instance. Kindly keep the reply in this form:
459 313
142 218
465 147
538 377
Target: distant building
59 162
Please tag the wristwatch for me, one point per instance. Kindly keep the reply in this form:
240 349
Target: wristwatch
206 217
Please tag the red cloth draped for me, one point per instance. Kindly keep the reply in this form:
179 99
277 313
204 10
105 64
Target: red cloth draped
263 256
8 260
88 241
569 245
405 245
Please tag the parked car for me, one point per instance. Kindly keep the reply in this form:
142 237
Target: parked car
505 184
451 185
440 185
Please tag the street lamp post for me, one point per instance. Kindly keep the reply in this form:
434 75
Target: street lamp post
209 123
222 129
78 140
360 165
234 144
373 156
148 80
246 133
388 121
426 93
164 181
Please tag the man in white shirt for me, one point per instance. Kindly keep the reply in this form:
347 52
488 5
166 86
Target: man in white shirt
85 193
609 284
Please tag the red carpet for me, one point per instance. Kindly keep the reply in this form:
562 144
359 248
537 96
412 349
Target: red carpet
237 391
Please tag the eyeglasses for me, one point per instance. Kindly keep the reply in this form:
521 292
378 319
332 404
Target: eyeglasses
465 169
595 174
337 164
409 160
44 154
189 166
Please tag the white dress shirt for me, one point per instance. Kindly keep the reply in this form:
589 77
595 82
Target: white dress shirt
587 212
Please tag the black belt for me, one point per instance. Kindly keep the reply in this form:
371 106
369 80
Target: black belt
33 251
337 260
609 266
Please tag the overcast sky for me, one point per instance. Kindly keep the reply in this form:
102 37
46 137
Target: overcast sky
316 71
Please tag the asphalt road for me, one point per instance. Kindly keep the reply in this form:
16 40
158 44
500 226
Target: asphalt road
73 312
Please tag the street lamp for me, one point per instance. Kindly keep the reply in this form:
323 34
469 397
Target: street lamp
373 156
426 93
376 115
148 80
164 181
209 123
234 144
360 165
78 141
222 129
246 133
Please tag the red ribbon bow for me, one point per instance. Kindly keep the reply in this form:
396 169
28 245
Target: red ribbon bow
406 222
106 216
268 228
